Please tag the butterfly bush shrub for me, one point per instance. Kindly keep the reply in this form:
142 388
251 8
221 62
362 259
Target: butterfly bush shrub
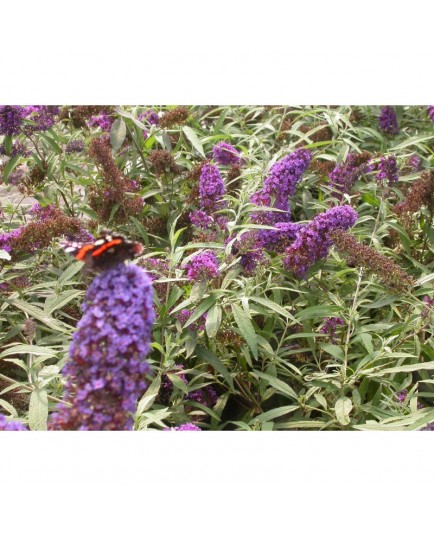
285 281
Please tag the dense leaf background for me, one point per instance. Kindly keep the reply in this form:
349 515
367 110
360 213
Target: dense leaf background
260 348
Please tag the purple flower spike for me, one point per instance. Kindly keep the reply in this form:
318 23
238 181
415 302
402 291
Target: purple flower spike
107 367
313 241
211 188
279 184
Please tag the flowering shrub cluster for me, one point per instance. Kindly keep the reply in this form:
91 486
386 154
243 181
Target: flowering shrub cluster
285 281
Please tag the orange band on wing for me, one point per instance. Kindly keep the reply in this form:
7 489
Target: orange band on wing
83 251
108 245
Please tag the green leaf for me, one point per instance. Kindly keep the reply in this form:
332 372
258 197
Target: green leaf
35 312
213 320
334 350
8 407
279 385
318 311
273 306
47 374
194 140
57 302
28 349
148 398
246 327
343 409
118 133
70 272
38 410
274 414
200 310
321 400
215 362
10 166
403 368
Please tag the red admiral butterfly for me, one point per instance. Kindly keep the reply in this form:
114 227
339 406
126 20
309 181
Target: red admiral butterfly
107 250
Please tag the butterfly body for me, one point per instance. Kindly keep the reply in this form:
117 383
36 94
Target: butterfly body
106 251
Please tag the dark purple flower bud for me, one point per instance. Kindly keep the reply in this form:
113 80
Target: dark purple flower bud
329 327
431 113
206 396
388 169
225 154
387 120
344 175
402 395
107 367
11 119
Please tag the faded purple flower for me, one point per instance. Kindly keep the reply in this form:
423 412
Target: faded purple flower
225 154
201 219
313 240
330 326
6 238
428 428
414 162
206 396
387 120
401 395
344 175
17 148
428 307
184 315
74 146
11 426
187 427
102 120
150 117
106 370
202 267
43 213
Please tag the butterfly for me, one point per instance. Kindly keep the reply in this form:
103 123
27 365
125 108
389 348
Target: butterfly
107 250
